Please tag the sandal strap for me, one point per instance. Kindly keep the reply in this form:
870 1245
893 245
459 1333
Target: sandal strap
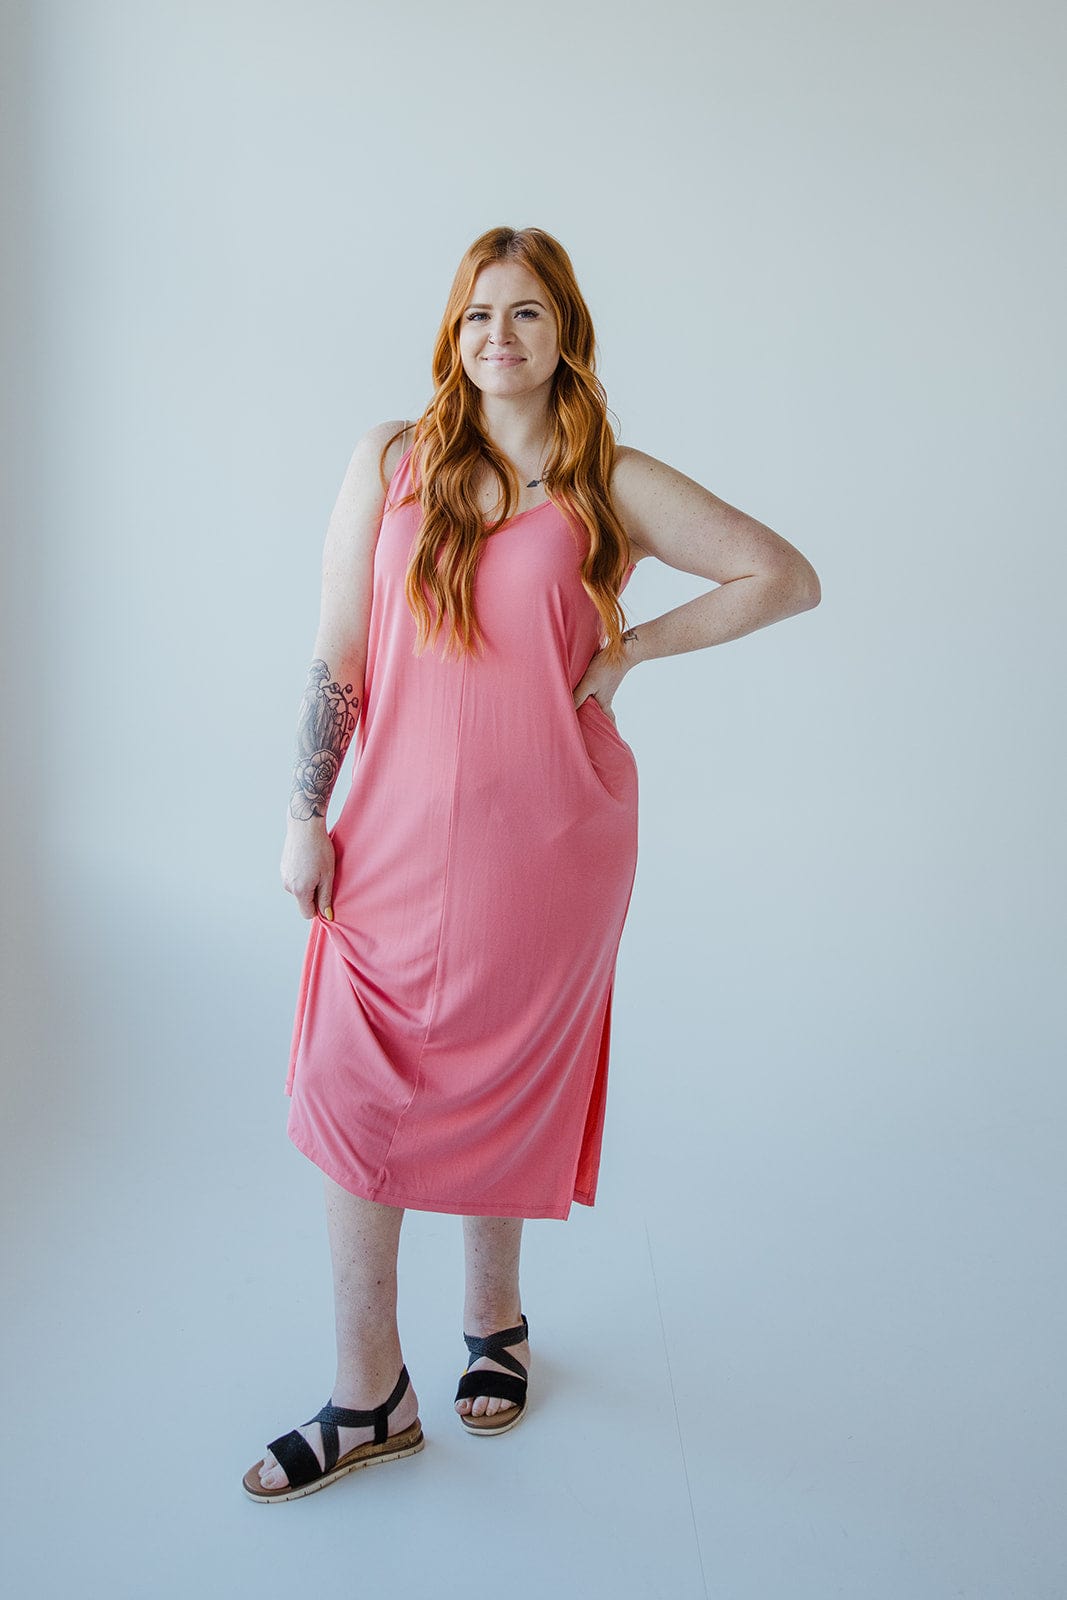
505 1358
331 1417
493 1344
298 1459
295 1455
500 1384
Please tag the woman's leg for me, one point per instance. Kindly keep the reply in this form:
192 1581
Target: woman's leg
492 1300
364 1241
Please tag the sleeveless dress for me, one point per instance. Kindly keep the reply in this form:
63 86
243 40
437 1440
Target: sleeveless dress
451 1042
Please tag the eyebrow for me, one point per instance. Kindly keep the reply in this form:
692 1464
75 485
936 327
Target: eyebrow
480 305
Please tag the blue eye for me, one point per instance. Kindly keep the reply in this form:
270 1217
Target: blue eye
526 311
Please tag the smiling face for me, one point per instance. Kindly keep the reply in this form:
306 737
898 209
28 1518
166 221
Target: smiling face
507 333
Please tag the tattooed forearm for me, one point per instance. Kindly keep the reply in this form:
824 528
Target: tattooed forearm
328 716
631 633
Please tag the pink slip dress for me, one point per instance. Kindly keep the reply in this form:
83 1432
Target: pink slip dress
451 1042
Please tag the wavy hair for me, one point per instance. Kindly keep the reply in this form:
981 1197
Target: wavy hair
450 449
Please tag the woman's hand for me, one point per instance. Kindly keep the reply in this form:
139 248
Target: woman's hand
601 681
308 866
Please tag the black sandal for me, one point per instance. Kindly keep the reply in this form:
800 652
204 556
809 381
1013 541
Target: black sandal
500 1384
301 1465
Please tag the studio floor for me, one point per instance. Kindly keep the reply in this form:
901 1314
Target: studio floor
713 1411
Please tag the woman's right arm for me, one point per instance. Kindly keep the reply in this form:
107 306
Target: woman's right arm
333 695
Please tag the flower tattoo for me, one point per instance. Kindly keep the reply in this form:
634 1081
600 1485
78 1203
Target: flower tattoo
328 715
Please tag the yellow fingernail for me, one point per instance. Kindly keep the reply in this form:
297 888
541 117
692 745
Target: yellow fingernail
328 913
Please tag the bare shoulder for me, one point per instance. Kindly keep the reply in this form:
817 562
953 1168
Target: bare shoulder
362 495
645 490
357 512
372 442
687 526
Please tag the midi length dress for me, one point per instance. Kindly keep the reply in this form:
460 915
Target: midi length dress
451 1042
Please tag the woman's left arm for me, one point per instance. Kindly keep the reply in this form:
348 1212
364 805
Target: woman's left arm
761 578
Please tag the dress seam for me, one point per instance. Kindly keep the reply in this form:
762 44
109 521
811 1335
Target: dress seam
440 935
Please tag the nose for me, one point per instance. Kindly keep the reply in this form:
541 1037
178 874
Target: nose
500 334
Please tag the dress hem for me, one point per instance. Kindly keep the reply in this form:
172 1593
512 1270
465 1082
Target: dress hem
385 1195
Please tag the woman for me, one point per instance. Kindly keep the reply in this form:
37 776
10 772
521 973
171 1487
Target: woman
450 1048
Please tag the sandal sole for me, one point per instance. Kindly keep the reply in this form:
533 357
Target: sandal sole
371 1456
491 1433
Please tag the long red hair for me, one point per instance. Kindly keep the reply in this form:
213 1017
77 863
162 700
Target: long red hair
451 450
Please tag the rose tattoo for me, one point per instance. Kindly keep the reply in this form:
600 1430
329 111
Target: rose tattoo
327 721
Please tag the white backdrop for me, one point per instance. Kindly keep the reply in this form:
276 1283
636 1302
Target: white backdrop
820 1297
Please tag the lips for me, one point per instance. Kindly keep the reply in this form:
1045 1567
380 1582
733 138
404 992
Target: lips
504 361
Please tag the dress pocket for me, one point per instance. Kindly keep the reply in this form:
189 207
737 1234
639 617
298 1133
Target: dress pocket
591 699
607 751
606 717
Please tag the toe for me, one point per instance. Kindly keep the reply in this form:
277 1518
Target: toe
271 1475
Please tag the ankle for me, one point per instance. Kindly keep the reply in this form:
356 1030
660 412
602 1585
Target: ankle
487 1317
368 1371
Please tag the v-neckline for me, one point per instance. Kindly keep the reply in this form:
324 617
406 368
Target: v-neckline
518 516
529 513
